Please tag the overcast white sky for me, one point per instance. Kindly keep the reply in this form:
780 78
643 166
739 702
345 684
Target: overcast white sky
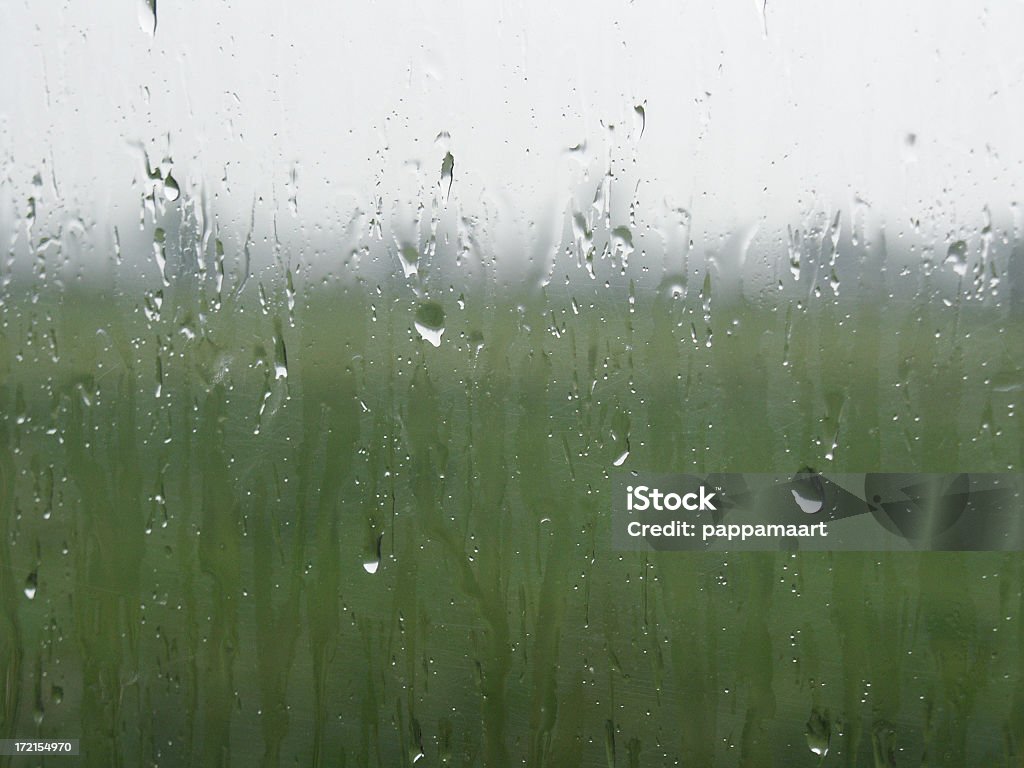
749 116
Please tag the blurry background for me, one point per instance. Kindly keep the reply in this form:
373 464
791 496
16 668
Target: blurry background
750 116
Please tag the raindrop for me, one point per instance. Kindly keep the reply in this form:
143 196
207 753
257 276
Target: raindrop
808 492
578 152
152 302
794 246
957 256
832 234
147 16
409 255
673 286
808 505
476 342
641 118
583 236
289 290
371 561
280 353
819 732
620 434
622 242
171 189
429 322
836 408
445 739
263 299
159 237
705 295
416 752
219 250
31 585
448 172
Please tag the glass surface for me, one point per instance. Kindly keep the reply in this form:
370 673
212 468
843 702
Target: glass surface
323 330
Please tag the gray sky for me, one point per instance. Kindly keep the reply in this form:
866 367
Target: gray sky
749 117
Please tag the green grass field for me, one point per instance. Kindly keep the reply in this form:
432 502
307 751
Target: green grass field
261 535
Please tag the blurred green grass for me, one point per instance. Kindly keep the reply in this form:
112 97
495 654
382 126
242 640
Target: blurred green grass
203 495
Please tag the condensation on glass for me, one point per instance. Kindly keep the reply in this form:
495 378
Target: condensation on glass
323 328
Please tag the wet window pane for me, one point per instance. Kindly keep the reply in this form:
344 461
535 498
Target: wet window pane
326 332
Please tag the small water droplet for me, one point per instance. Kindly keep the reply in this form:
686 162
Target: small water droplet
31 585
371 562
579 152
